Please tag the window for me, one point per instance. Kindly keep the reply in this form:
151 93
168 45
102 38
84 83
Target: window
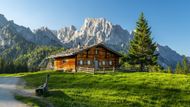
88 62
110 62
103 62
81 62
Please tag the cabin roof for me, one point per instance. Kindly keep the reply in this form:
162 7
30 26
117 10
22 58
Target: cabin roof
74 51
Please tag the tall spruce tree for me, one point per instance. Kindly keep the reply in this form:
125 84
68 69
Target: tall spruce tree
142 48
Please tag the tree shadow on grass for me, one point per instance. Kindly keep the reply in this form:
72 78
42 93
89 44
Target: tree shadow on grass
59 94
60 99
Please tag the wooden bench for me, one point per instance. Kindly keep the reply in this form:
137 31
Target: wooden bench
43 89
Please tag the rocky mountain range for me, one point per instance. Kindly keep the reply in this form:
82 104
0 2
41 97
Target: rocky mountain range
188 59
94 30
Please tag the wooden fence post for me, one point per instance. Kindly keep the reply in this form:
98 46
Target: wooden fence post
93 70
113 69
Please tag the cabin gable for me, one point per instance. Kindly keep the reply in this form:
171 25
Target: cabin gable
96 56
99 55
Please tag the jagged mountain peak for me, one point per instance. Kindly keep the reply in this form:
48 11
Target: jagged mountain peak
100 23
66 33
2 17
42 29
95 30
3 20
72 27
45 36
86 20
41 36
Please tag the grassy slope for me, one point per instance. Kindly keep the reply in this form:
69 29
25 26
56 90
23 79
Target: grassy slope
114 90
31 102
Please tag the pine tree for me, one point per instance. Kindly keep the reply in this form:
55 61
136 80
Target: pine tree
178 69
185 66
142 48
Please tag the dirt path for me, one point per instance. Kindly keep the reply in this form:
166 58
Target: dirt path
8 86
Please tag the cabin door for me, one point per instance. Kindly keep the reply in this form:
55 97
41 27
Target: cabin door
96 64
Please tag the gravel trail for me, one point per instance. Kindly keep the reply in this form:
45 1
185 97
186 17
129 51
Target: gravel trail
8 87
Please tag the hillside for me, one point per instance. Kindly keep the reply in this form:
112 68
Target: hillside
21 46
116 90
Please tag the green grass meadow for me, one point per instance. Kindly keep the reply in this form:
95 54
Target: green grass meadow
139 89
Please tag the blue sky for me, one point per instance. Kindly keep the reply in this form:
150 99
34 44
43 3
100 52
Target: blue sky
169 19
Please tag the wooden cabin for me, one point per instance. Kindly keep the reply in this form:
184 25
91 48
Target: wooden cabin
96 56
